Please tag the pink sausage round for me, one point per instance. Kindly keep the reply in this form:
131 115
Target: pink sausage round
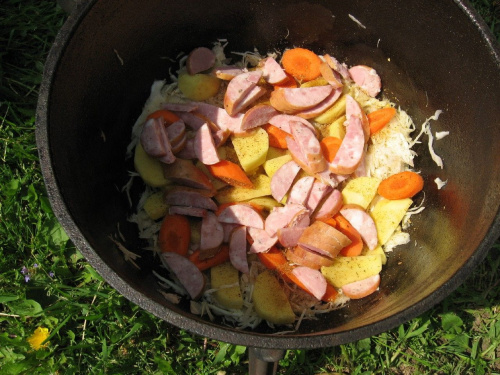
313 280
363 223
212 233
241 214
362 288
282 180
199 60
204 146
367 78
238 249
188 274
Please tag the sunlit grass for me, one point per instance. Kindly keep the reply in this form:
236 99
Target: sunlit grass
45 282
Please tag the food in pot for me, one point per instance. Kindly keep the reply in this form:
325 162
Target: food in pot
272 186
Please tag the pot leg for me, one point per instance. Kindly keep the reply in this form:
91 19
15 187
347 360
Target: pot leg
264 361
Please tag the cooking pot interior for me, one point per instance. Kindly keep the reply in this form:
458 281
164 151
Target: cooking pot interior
430 55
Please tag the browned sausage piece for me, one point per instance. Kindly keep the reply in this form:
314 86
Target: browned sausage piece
321 107
281 217
290 100
241 214
289 236
312 279
187 211
262 241
199 60
184 172
329 206
307 258
258 115
338 67
273 73
212 233
363 223
204 146
238 88
332 77
184 196
323 239
366 78
154 140
188 274
238 249
282 180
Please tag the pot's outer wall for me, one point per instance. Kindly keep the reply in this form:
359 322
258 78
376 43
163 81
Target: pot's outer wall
430 57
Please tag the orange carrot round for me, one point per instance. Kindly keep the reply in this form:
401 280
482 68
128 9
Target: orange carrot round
302 64
401 185
175 234
380 118
277 137
356 246
167 116
230 173
329 147
219 258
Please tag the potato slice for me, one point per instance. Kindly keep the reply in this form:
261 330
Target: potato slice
198 87
261 188
155 205
337 128
320 81
378 250
226 277
267 202
275 152
387 215
360 191
272 165
332 113
346 270
251 149
149 168
270 301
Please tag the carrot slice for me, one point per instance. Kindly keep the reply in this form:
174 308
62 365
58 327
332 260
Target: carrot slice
288 83
219 258
175 234
277 137
167 116
302 64
401 185
380 118
356 246
329 147
275 260
230 173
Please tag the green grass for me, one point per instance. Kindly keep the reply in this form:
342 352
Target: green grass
95 330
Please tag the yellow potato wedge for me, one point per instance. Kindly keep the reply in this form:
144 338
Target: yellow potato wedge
272 165
378 250
155 205
251 149
149 168
332 113
262 188
225 278
270 301
275 152
360 191
346 270
337 128
267 203
198 87
387 215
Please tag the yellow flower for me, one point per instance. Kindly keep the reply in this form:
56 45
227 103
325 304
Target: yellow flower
39 336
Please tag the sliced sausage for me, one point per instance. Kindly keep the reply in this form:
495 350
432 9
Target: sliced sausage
249 99
227 73
228 229
220 137
176 131
262 241
180 107
319 191
329 206
282 180
190 197
154 140
179 144
187 152
188 274
323 239
299 193
351 150
257 116
283 121
366 78
338 67
352 108
363 223
187 211
331 178
238 249
272 71
204 146
332 77
238 88
313 280
212 233
184 172
297 155
199 60
309 146
289 236
241 214
191 120
321 107
301 219
304 257
281 217
290 100
219 116
362 288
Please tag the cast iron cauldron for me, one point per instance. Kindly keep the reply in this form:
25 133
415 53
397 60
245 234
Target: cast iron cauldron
430 54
